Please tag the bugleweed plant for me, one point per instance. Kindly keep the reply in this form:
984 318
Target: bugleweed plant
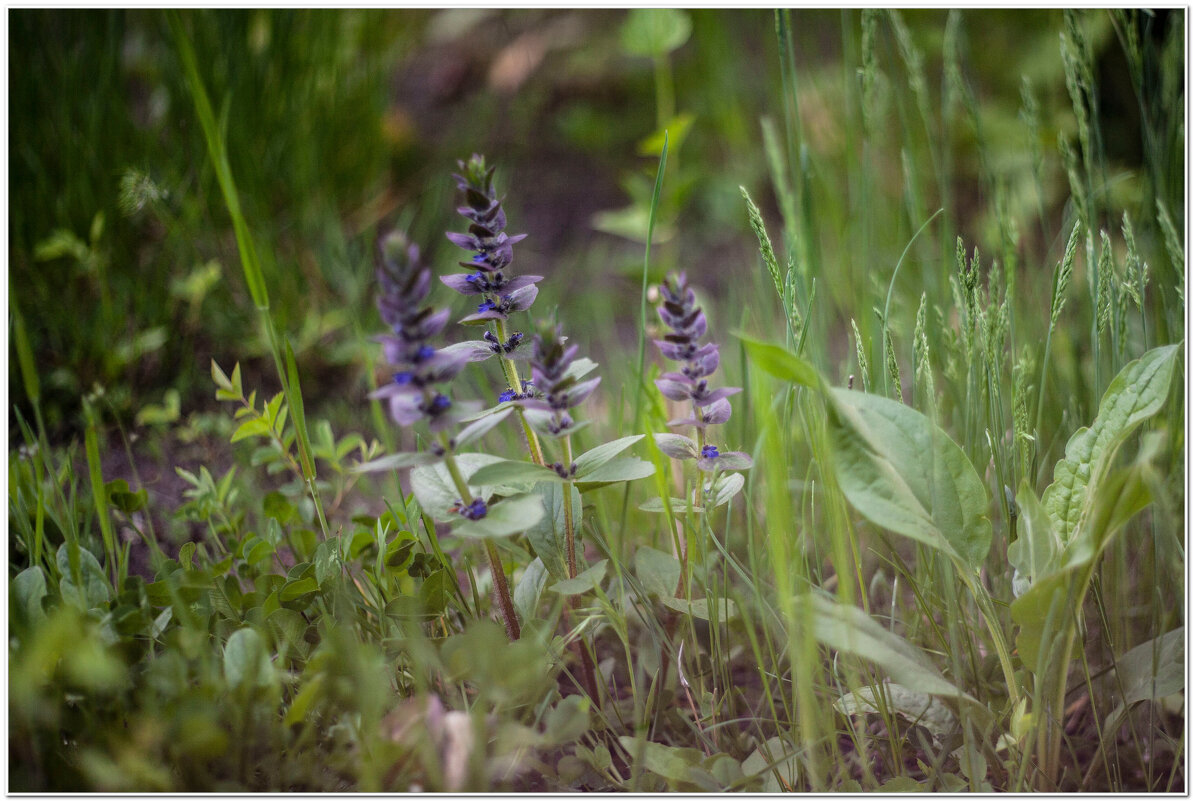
906 514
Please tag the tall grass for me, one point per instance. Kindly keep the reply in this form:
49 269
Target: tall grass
985 284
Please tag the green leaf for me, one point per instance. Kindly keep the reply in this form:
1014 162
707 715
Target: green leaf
293 590
95 590
276 506
289 629
584 582
529 589
478 428
905 474
677 446
725 487
567 721
655 32
672 763
436 492
1135 394
776 762
779 362
548 536
1045 607
916 707
435 592
1034 553
246 661
658 572
395 461
509 471
28 590
121 498
627 468
700 609
257 427
590 460
168 412
851 631
504 518
1148 672
678 506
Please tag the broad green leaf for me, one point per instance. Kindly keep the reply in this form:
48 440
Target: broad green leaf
700 609
509 471
1135 394
289 629
725 487
1034 553
678 505
548 536
395 461
1148 672
658 572
246 661
293 590
776 763
567 721
436 491
95 590
626 468
677 446
655 32
851 631
529 589
28 590
478 428
903 473
902 784
672 763
917 707
590 460
257 427
505 518
780 362
1045 607
584 582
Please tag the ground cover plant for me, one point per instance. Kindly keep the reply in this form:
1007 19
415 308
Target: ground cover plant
886 496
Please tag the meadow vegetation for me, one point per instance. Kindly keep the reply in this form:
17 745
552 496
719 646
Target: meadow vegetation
812 418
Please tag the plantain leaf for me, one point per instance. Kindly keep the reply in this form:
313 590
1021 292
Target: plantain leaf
1148 672
905 474
1135 394
850 630
1034 553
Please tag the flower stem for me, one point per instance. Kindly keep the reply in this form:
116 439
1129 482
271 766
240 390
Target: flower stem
515 383
568 513
500 585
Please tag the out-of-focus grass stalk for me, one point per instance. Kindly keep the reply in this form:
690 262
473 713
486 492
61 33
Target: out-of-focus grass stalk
287 372
99 497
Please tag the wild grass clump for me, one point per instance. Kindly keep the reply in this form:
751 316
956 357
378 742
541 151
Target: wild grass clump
900 509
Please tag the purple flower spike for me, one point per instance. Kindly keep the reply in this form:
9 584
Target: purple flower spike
556 388
690 383
418 366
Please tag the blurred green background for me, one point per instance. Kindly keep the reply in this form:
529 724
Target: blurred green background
341 125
